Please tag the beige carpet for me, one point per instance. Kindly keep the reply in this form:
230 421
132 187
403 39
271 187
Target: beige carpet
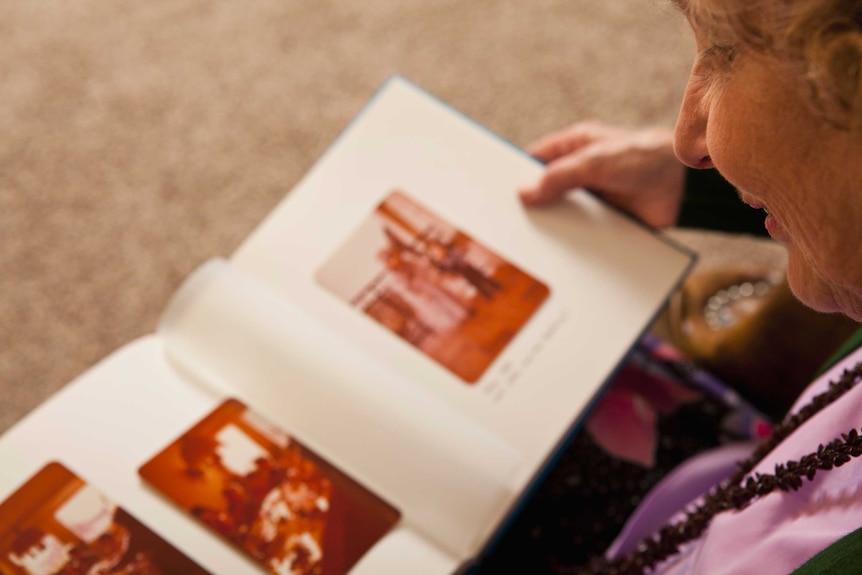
138 139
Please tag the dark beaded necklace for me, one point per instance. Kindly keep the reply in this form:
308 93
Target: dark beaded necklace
735 493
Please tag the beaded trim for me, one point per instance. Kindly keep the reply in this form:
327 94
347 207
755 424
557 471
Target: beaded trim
736 494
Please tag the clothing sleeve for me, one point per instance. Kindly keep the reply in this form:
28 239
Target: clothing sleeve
843 556
710 202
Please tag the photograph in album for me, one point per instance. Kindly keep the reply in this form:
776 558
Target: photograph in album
56 524
285 507
433 286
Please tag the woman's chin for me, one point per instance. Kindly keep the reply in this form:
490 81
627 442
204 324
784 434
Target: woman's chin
820 295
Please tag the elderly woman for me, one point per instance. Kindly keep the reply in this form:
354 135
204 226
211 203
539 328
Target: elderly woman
774 103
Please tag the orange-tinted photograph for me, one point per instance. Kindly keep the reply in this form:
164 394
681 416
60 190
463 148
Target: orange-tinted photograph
277 501
433 286
56 524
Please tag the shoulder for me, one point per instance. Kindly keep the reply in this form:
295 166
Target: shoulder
781 531
843 556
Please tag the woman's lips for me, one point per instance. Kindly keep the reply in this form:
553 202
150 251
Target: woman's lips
774 228
771 223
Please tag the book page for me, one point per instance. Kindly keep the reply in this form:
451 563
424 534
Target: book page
103 425
407 239
405 552
69 475
448 476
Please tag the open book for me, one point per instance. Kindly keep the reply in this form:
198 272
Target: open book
369 385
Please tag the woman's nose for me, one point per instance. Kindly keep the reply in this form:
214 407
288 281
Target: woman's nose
689 143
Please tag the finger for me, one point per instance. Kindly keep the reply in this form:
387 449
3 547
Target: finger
558 144
560 177
549 147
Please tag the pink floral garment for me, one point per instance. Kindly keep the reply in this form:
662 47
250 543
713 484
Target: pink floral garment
624 421
658 379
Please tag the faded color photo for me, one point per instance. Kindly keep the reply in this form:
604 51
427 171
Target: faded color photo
56 524
433 286
277 501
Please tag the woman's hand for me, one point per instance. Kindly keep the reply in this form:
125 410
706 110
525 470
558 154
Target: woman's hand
636 170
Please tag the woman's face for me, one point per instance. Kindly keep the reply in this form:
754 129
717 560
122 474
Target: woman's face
747 115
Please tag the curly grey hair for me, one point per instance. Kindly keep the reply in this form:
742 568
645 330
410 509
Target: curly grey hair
822 39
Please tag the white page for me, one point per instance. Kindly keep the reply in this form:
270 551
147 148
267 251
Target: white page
607 276
447 475
403 551
113 418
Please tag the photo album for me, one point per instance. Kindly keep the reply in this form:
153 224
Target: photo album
370 385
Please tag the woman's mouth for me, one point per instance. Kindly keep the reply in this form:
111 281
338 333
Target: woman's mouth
770 222
774 227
